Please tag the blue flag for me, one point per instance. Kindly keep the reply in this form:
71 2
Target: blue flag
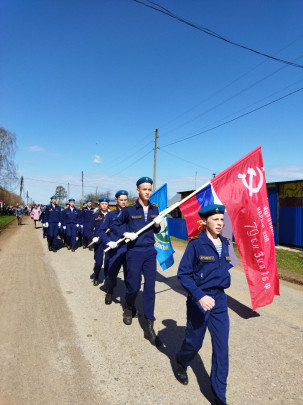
163 245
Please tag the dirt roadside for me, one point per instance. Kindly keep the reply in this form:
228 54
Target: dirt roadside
59 343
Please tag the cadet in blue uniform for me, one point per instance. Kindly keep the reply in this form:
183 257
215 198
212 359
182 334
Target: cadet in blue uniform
53 222
42 219
87 212
71 220
92 232
204 273
141 254
116 257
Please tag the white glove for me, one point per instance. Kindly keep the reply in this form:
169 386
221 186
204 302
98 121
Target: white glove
59 224
64 227
131 235
81 226
43 225
46 224
77 225
95 239
158 220
112 244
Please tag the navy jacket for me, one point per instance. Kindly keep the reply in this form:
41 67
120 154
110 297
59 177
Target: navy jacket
71 217
107 226
131 219
86 215
201 269
94 224
53 214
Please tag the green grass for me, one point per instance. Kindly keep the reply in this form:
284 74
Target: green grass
179 240
286 260
289 260
5 220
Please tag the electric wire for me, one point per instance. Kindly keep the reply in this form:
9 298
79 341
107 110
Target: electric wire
234 119
214 34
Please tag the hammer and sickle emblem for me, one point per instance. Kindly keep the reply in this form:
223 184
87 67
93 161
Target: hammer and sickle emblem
250 187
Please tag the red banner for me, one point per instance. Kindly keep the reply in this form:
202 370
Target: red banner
242 189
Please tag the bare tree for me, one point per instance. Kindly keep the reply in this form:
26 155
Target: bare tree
61 194
8 172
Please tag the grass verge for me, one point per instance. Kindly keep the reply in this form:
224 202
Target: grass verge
5 220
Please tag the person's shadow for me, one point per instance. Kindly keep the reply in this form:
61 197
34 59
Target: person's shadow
171 338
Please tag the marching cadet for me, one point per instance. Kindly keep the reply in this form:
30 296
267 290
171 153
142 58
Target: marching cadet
42 219
116 257
204 273
141 254
87 212
92 232
71 220
53 222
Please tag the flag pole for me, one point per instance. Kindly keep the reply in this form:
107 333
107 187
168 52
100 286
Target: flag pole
163 214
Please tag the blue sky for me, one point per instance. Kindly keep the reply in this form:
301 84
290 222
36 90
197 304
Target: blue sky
84 84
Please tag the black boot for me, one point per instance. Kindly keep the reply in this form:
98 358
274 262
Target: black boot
180 372
49 246
69 246
54 248
73 248
109 297
127 314
219 402
96 280
150 334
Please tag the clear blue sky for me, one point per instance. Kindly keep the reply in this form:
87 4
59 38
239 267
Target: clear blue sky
84 84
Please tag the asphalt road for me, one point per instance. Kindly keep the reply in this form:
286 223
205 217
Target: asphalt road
60 344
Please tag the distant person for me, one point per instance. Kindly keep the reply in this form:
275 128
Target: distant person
19 213
35 214
53 218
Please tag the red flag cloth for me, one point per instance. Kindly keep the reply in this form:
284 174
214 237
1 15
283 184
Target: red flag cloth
242 189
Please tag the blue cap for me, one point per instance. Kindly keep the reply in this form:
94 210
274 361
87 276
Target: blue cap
53 197
71 199
144 180
212 209
89 201
121 192
104 199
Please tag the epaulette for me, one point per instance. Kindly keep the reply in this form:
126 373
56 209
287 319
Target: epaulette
193 238
155 205
131 204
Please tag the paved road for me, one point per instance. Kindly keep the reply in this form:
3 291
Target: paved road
59 343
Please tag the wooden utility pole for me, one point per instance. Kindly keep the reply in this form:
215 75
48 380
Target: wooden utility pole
82 188
67 191
155 161
21 187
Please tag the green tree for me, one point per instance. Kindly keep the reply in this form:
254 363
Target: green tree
8 172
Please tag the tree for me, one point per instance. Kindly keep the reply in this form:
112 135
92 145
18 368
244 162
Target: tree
61 194
8 172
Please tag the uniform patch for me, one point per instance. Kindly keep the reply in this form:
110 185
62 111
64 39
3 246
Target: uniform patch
136 216
227 258
207 258
153 216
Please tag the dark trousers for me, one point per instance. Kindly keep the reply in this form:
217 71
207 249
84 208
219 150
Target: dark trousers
217 322
115 259
71 233
138 262
52 233
98 256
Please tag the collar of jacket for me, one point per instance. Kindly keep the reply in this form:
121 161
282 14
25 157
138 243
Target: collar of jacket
138 205
203 238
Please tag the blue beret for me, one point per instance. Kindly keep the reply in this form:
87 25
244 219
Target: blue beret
53 197
71 199
104 199
121 192
144 180
211 210
88 201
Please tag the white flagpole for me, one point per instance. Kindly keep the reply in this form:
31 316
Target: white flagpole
163 213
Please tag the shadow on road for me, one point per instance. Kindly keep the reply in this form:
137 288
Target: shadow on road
172 337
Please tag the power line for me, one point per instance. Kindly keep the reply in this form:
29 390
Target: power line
234 119
136 161
213 33
187 161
